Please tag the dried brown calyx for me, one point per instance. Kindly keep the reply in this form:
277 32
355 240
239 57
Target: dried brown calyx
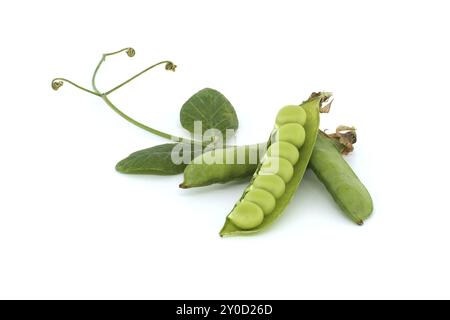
344 138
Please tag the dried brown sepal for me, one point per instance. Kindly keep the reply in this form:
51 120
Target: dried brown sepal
345 138
326 107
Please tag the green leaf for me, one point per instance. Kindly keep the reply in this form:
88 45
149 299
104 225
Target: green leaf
156 160
211 108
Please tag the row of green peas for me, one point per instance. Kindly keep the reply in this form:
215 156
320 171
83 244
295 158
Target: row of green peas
277 169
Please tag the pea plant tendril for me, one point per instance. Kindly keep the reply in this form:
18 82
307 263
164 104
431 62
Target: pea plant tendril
169 65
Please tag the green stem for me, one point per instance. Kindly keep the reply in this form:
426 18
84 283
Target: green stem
141 125
130 52
168 63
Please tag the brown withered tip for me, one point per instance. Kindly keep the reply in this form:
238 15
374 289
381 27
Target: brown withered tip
346 137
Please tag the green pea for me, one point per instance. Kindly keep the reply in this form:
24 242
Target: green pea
246 215
284 150
291 132
290 114
278 166
270 182
262 198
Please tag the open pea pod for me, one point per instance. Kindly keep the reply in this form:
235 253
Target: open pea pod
311 128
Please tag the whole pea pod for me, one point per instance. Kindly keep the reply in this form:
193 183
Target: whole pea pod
223 165
280 171
340 180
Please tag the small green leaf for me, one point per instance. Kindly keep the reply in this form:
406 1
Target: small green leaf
211 108
156 160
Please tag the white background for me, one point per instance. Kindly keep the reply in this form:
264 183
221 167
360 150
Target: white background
72 227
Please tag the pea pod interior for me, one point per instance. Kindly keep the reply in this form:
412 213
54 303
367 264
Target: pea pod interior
311 126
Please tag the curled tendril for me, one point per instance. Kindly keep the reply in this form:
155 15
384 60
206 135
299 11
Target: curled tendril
170 66
57 84
131 52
